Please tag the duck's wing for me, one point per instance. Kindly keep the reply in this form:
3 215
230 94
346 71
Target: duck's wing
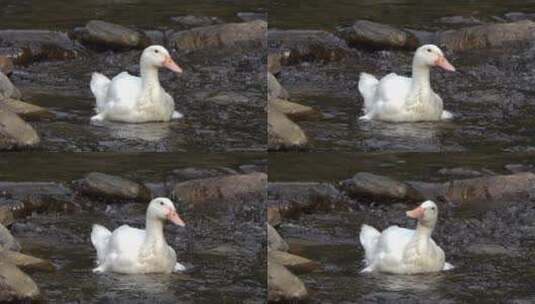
124 90
393 89
368 239
126 240
99 87
393 241
367 88
100 237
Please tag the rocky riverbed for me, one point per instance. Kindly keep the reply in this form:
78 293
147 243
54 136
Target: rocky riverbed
49 216
221 92
485 227
489 94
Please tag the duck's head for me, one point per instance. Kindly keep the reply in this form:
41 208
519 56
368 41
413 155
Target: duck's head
158 56
426 213
163 209
431 55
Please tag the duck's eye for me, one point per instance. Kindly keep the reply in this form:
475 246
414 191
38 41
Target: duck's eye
156 51
161 203
433 208
428 50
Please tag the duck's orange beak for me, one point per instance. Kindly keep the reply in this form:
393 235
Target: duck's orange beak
416 213
170 64
445 64
172 216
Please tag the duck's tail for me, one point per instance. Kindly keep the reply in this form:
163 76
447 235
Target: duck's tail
100 237
368 239
367 87
99 87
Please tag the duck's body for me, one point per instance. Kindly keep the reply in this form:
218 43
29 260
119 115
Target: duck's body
132 250
402 99
404 251
127 98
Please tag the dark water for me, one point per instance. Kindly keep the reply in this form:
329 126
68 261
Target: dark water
223 243
331 237
58 14
320 14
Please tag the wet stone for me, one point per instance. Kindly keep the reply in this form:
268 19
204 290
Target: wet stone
284 133
275 89
7 89
294 110
6 216
292 199
190 173
113 188
26 262
109 35
294 263
190 21
283 285
376 186
275 241
25 110
15 133
39 44
247 34
16 285
488 249
368 34
274 63
307 45
225 188
250 16
6 65
7 241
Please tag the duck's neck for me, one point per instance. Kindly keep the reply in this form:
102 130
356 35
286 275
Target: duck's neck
154 233
150 82
422 236
420 84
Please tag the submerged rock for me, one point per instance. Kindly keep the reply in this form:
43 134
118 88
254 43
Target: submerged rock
490 188
26 262
227 187
190 21
487 35
275 241
110 35
307 45
292 199
275 89
39 44
25 110
377 186
190 173
112 188
219 36
368 34
284 133
293 262
7 241
294 110
284 285
16 285
6 65
15 132
7 89
488 249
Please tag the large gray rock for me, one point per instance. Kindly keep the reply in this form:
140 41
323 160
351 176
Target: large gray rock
294 110
111 188
7 241
39 44
368 34
294 263
284 133
15 132
283 286
275 89
7 89
275 241
110 35
25 110
491 188
307 45
376 186
221 188
15 285
25 262
487 35
220 36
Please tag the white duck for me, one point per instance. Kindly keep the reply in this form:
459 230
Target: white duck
132 250
405 251
128 98
402 99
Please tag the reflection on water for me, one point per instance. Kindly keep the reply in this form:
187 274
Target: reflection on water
148 131
421 282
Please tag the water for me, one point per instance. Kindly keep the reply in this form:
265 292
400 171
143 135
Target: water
235 274
331 237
